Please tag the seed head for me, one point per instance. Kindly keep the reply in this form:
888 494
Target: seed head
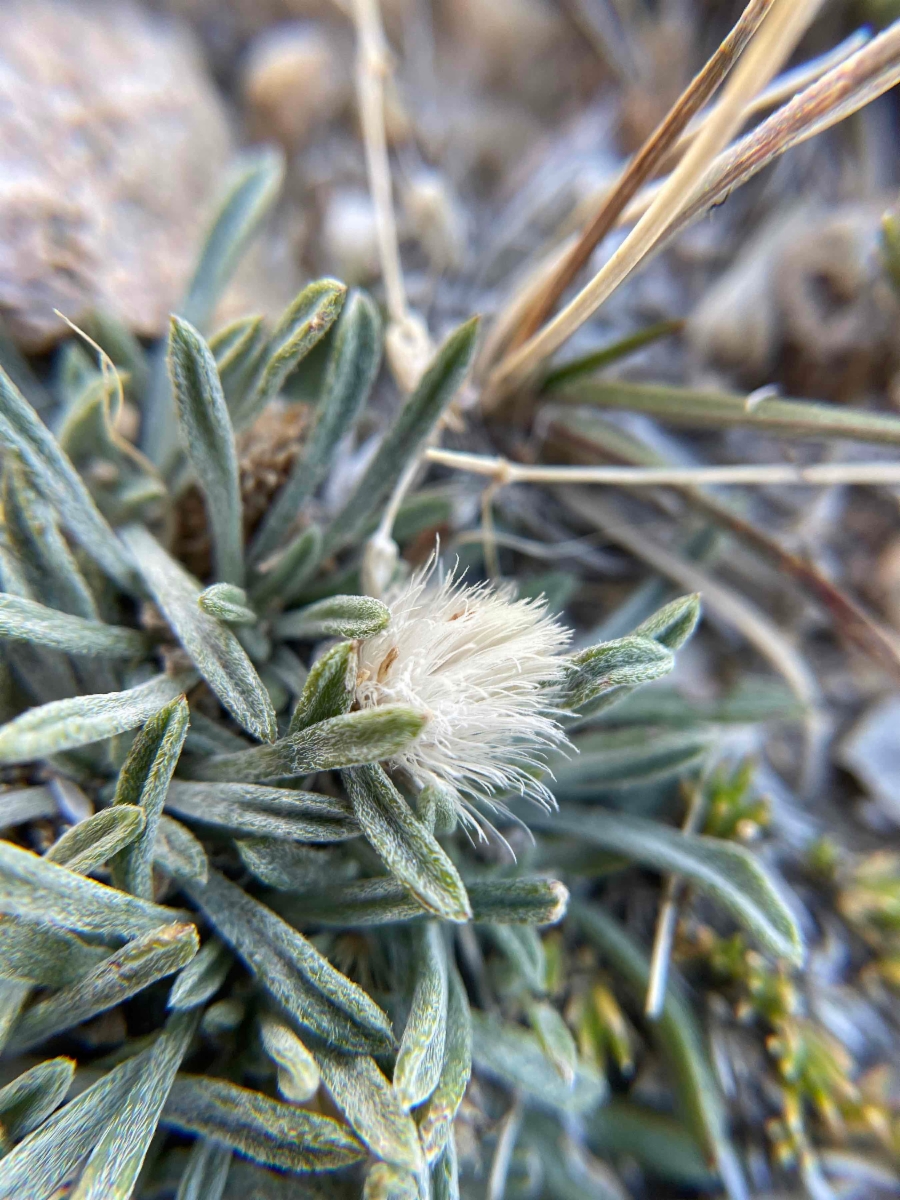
485 668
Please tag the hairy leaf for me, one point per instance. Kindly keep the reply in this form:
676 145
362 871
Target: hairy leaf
338 616
246 204
409 851
24 620
138 964
310 990
32 887
262 1129
329 689
352 368
143 781
371 1107
385 901
227 603
306 319
23 433
208 438
112 1169
421 1053
202 977
31 1098
283 577
49 1156
405 438
36 952
358 737
81 720
298 1074
436 1116
252 809
215 651
178 852
97 839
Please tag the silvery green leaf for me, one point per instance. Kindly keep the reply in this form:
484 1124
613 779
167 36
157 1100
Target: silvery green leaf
31 886
13 995
408 850
610 670
202 977
97 839
264 1130
421 1053
230 343
445 1173
178 853
115 1162
678 1037
371 1107
23 433
306 319
31 1098
24 620
438 806
290 866
208 439
223 1017
32 528
143 781
227 603
206 1173
727 872
45 675
620 758
524 952
405 438
298 1074
283 577
385 901
337 616
329 689
49 1157
80 720
212 647
89 434
672 624
387 1182
515 1058
365 736
36 952
138 964
247 808
309 989
436 1117
18 805
120 344
241 211
352 367
555 1039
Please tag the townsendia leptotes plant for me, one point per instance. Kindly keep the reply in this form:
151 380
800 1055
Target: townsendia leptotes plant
264 883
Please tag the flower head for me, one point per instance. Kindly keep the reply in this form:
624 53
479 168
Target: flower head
484 667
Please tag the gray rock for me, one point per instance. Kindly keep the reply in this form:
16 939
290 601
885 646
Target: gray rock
113 143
